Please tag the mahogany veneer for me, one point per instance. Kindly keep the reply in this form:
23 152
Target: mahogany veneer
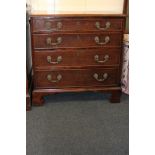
76 53
74 57
46 24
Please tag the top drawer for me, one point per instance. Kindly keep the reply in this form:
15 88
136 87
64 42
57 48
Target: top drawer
45 24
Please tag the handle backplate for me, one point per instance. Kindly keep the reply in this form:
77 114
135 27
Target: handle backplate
48 26
58 78
106 58
107 26
106 40
49 41
49 60
96 76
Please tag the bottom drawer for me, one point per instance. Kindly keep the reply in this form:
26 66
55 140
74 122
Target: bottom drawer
76 78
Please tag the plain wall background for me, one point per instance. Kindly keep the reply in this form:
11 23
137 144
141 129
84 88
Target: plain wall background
109 6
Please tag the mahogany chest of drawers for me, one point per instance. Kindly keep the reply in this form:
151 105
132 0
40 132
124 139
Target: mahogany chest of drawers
76 53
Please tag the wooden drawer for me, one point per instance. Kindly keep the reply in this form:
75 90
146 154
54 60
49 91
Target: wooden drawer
53 41
76 78
77 57
76 24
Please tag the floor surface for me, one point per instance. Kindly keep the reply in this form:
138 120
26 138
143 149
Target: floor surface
78 124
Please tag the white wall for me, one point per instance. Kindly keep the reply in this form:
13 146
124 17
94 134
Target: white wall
107 6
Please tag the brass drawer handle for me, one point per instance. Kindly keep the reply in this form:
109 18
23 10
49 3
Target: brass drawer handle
106 40
105 76
49 60
107 26
49 78
48 26
49 41
106 58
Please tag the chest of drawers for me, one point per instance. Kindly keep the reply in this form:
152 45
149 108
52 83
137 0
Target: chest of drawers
76 53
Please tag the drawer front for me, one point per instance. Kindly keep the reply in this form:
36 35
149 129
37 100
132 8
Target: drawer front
77 57
53 41
75 78
76 24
